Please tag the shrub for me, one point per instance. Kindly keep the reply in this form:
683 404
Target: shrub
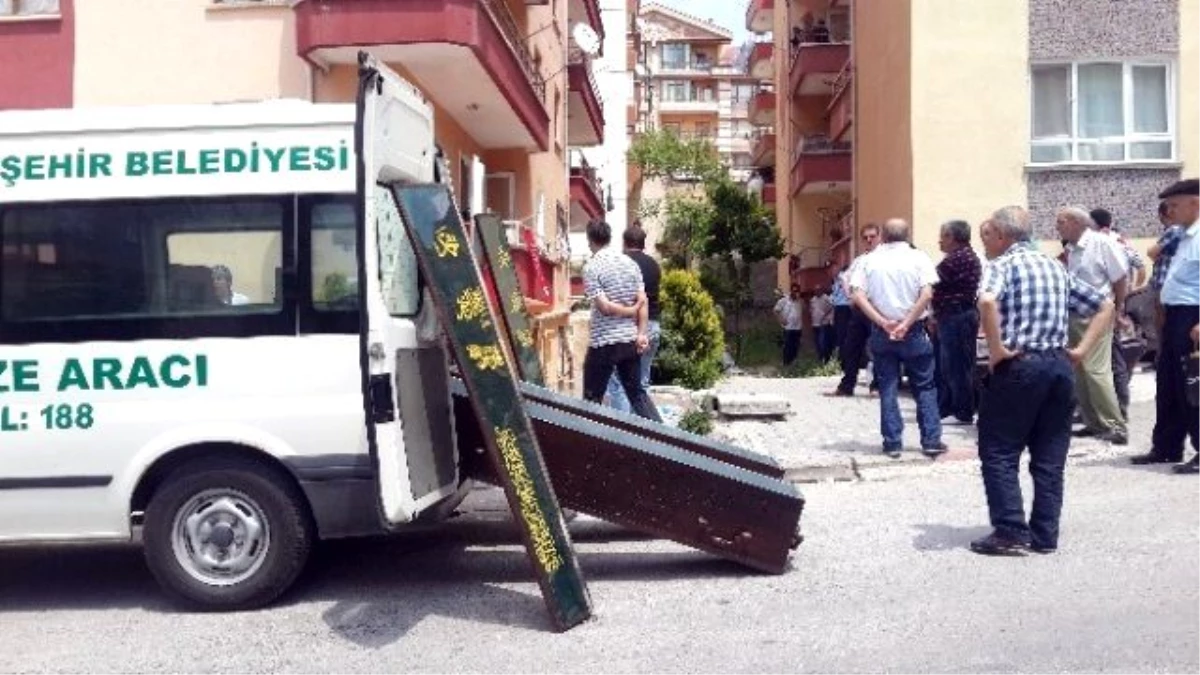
697 422
692 339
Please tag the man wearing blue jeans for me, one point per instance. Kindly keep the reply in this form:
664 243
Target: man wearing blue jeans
634 240
892 287
1029 393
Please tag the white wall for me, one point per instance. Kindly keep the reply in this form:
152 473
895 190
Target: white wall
616 88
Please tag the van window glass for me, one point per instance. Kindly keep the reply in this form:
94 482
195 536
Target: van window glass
140 259
334 257
397 260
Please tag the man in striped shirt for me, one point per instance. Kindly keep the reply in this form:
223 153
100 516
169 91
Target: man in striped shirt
1029 393
620 313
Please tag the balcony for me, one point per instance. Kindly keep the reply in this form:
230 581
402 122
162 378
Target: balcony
588 12
815 67
693 105
585 111
697 66
768 195
821 166
762 108
763 153
761 65
760 16
468 56
841 108
587 197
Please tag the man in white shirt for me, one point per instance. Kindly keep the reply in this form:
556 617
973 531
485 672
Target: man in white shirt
1099 261
790 313
892 287
822 320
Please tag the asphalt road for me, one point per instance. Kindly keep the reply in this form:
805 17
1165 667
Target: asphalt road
882 583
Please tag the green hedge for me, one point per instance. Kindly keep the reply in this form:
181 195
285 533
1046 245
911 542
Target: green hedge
692 339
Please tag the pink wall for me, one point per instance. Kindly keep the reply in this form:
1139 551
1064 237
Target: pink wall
42 76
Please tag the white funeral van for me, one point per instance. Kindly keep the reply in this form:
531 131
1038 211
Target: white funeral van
210 330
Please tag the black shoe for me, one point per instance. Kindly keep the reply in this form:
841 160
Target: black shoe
1044 550
1085 433
1188 467
894 453
995 544
1114 437
933 451
1153 457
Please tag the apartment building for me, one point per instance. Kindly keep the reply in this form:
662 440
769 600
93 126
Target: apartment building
511 91
693 82
937 109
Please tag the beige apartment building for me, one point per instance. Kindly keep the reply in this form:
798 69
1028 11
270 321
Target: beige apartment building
931 110
694 82
511 91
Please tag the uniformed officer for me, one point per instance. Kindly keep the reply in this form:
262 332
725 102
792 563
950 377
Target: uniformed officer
1176 417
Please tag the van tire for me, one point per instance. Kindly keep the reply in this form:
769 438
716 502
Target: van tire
255 499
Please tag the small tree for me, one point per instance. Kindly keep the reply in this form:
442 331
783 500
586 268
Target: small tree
686 231
742 232
692 340
663 155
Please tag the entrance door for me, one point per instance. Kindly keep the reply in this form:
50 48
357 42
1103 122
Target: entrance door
405 379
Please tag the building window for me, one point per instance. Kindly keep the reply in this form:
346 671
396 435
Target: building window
1102 112
675 55
674 90
742 93
29 8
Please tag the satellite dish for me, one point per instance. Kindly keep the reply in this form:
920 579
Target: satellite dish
586 39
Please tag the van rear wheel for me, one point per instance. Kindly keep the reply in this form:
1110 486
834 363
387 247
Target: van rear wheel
227 536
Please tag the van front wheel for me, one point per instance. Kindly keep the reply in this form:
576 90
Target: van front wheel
233 536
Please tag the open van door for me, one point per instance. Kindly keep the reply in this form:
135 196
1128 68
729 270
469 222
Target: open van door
405 380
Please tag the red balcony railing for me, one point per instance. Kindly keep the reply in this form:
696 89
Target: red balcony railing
815 67
760 15
762 108
821 165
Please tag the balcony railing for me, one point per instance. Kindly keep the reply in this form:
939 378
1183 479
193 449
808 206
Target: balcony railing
695 66
504 19
819 144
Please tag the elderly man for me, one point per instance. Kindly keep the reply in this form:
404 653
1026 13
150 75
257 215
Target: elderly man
1098 261
1024 299
957 321
892 287
1177 417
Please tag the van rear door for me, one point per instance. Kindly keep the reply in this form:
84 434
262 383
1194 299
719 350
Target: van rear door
405 377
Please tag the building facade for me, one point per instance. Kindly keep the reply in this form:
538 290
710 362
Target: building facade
513 94
931 110
692 81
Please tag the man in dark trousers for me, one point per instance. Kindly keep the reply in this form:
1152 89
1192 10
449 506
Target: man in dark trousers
1177 418
620 314
853 347
634 239
956 321
1024 299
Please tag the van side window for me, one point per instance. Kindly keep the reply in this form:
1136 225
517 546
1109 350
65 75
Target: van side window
334 257
143 259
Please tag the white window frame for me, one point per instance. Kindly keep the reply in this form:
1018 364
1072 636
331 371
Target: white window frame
1126 139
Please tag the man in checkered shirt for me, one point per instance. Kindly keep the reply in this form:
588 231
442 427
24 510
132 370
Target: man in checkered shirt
620 313
1029 393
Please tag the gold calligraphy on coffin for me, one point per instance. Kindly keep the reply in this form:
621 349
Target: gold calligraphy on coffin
503 259
544 548
525 337
445 243
486 357
470 305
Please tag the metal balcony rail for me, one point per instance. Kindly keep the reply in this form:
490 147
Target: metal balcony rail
503 17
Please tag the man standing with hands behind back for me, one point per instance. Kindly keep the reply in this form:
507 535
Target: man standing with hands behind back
620 315
892 287
1024 299
634 239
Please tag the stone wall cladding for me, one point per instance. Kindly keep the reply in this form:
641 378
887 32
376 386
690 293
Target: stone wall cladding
1083 29
1130 194
1073 30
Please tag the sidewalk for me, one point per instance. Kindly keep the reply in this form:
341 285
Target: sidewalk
838 438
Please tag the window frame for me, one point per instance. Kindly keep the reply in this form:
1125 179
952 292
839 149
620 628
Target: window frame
16 15
1129 137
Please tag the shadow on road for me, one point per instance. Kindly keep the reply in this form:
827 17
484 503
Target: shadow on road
937 537
380 587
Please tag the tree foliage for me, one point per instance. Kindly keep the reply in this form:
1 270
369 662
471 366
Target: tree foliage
692 340
663 154
685 231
